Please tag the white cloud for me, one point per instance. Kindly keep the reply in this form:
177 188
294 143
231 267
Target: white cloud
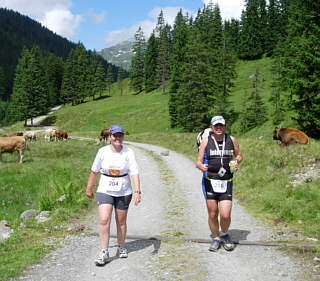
62 22
228 8
97 18
169 14
55 15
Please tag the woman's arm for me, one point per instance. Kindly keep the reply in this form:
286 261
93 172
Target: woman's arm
136 189
91 180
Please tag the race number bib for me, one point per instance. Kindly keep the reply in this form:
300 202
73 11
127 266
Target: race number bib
219 186
114 184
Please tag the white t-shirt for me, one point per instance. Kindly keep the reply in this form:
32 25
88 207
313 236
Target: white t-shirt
116 164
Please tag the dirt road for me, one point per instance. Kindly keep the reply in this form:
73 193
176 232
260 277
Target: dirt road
172 206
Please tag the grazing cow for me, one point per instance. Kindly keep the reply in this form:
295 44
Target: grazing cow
288 136
61 135
11 144
104 135
31 136
50 134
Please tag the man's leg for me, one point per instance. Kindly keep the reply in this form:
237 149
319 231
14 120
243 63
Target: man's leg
225 207
213 212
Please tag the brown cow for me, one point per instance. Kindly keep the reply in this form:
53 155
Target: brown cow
288 136
61 135
10 144
104 135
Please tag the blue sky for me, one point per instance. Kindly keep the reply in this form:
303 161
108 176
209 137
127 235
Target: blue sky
100 24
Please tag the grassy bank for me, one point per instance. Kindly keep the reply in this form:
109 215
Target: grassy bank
49 171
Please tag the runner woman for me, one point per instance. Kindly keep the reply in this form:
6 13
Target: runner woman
116 163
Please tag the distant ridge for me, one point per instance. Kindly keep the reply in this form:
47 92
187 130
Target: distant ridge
119 55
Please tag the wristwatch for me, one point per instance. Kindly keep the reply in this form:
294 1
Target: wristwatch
137 191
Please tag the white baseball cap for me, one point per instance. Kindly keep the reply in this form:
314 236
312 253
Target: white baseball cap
218 120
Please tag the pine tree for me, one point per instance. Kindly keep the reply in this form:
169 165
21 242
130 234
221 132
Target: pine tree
302 64
29 98
99 79
163 59
254 107
2 88
69 91
120 78
150 64
109 79
277 97
81 72
180 34
137 61
251 39
18 107
53 66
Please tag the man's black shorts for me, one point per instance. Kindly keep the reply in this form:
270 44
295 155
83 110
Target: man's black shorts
209 194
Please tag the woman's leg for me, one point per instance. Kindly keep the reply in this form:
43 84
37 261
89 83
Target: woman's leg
121 222
105 213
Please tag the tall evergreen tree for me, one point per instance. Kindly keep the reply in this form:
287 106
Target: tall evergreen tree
302 64
251 39
277 98
254 107
150 63
99 79
82 72
120 77
69 91
109 79
163 60
18 107
53 66
2 87
180 34
29 98
137 62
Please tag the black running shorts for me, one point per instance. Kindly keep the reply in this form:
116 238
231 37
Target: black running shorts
209 194
121 202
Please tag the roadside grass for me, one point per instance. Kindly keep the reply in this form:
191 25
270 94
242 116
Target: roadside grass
47 167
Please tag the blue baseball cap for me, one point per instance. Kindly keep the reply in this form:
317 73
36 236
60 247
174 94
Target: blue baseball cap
218 120
116 129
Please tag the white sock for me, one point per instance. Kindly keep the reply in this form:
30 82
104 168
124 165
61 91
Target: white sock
223 233
105 250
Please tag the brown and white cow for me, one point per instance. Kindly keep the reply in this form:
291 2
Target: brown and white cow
288 136
31 136
104 135
11 144
50 134
61 135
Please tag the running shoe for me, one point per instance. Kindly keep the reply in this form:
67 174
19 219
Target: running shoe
215 245
227 243
103 258
122 252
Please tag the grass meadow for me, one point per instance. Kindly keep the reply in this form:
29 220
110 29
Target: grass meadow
263 184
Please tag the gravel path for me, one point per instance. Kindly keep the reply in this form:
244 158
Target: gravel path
172 206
